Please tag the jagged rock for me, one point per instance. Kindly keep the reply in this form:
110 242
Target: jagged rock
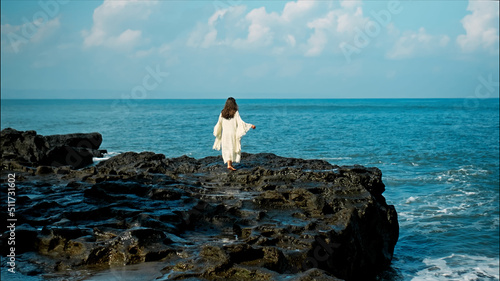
25 147
275 218
315 274
30 149
44 170
90 141
127 163
76 157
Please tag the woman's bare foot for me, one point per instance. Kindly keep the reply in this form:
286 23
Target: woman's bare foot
230 166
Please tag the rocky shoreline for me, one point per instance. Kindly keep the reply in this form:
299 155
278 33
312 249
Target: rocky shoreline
275 218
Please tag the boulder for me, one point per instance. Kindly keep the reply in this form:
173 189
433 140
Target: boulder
90 140
25 147
30 149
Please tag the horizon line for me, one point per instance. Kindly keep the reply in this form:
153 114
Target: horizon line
337 98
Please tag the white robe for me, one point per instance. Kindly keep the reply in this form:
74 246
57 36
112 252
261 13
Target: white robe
228 133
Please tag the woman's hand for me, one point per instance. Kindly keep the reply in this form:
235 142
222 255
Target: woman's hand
253 126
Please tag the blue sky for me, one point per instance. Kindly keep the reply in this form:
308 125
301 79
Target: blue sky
249 49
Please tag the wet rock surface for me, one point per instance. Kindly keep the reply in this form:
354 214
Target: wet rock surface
274 218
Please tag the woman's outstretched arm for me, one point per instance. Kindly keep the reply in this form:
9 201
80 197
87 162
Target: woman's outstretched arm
243 127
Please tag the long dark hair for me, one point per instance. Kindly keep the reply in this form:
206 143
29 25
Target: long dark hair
230 108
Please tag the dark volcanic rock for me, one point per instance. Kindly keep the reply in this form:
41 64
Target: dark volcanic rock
90 140
26 147
274 218
76 157
30 149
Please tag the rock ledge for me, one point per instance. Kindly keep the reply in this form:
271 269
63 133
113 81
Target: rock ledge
274 218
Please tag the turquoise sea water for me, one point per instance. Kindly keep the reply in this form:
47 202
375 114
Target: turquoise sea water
439 157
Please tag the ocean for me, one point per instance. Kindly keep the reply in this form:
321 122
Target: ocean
439 158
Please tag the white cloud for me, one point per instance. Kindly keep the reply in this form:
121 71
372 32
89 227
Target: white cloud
350 4
143 53
211 36
347 21
481 27
46 30
313 28
302 27
294 10
14 37
7 28
290 39
165 52
127 38
317 41
416 43
259 29
112 24
258 32
255 26
197 36
339 25
205 35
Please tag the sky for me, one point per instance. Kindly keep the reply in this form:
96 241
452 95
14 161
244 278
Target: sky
249 49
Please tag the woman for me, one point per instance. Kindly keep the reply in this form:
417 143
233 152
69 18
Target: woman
228 132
